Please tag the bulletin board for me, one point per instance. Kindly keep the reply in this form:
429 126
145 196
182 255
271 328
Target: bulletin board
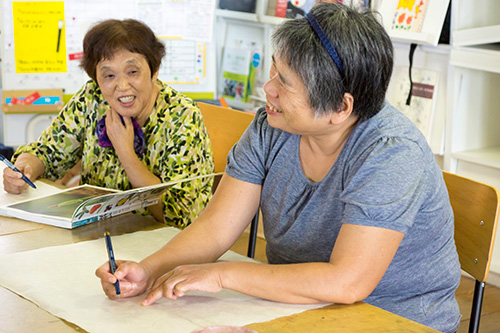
41 41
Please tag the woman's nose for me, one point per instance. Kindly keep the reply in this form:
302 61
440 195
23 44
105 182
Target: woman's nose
269 87
123 83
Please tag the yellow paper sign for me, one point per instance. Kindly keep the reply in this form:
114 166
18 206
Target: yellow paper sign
39 36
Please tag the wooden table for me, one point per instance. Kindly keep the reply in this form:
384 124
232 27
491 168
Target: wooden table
339 318
20 315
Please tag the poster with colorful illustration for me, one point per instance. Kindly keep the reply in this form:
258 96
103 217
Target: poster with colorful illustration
409 15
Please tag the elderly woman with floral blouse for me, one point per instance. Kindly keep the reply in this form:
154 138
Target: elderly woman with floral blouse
128 128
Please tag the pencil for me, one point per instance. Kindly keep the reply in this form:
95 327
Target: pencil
112 263
11 166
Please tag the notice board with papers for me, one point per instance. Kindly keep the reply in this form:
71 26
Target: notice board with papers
41 41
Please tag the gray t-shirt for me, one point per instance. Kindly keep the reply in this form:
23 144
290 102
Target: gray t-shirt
385 176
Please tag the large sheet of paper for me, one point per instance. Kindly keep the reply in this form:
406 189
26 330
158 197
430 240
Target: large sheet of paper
61 280
42 189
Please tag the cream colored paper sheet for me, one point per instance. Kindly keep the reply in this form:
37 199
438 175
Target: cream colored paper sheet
61 280
30 193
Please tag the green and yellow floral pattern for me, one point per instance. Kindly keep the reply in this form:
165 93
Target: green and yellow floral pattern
177 146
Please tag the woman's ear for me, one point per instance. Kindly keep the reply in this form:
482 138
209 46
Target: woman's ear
155 75
345 109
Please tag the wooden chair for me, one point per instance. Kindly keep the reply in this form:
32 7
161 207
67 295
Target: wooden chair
476 209
225 127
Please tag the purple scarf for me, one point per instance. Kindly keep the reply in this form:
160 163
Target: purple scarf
139 141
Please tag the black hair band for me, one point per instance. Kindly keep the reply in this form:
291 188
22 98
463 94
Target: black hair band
326 42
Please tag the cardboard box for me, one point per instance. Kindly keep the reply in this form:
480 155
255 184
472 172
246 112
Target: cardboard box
47 101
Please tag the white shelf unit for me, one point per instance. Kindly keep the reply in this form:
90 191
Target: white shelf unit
473 113
252 17
475 22
258 27
230 30
435 58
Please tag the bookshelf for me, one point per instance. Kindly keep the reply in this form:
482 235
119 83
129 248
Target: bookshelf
257 27
472 136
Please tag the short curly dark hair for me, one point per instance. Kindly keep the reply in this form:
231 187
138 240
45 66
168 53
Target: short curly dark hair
109 36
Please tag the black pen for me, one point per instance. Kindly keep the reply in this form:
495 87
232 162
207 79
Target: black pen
11 166
60 25
112 263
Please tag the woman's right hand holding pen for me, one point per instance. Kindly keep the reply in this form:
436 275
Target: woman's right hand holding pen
12 180
30 165
133 277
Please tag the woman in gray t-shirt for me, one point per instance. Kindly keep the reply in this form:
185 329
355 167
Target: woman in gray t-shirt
354 206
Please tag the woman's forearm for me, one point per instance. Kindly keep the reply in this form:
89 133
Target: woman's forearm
306 283
196 244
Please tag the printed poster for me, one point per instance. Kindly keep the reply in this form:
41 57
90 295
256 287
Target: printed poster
39 36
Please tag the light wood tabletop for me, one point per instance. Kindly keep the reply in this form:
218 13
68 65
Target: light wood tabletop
339 318
20 315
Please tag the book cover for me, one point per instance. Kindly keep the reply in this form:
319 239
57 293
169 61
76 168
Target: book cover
280 10
423 96
409 15
236 73
73 207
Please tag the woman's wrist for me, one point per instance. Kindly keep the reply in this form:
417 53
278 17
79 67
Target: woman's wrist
149 271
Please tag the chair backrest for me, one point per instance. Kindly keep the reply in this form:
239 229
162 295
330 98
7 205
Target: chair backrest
476 208
225 127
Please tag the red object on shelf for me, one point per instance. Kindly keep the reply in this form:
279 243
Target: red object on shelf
15 101
281 8
31 98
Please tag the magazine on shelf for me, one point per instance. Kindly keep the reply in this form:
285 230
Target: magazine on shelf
423 96
84 204
236 73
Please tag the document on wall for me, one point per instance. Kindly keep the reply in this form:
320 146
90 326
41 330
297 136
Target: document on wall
39 36
185 63
81 301
187 19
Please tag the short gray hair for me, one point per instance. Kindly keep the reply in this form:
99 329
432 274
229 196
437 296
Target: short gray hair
363 46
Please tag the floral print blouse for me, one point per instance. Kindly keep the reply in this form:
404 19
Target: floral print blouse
177 146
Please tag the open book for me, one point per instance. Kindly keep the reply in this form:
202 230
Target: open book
85 204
